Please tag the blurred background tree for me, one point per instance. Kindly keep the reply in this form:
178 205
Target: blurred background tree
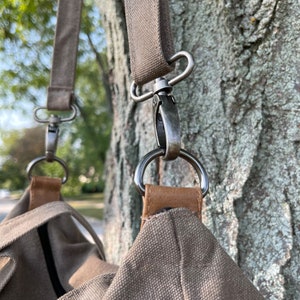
20 148
26 33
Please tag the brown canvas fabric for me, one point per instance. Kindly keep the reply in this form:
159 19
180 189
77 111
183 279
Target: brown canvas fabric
174 257
24 263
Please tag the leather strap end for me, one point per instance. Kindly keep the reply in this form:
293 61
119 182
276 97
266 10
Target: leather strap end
158 198
43 190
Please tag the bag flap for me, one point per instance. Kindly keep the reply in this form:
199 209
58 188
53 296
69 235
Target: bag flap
176 257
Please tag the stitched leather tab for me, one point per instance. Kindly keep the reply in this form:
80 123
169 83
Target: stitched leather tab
159 197
43 190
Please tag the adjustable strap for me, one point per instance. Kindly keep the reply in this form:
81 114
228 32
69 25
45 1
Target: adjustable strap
150 39
61 89
158 198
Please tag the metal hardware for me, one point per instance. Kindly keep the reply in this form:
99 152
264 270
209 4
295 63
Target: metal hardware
142 165
54 118
52 133
166 125
161 86
37 160
188 70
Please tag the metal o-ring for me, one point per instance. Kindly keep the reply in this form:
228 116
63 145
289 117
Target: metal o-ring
141 167
37 160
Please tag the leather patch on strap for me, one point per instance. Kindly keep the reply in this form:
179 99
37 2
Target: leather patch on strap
43 190
161 197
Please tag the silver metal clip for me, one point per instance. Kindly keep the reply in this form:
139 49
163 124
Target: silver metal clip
51 139
52 131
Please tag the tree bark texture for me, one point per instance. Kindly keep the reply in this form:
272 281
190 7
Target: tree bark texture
240 115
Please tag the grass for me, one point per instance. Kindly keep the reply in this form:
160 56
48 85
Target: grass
99 197
89 205
91 212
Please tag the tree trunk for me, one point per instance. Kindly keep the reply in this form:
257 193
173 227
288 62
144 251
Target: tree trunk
240 116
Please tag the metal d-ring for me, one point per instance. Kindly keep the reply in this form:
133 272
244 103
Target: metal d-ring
37 160
188 70
142 165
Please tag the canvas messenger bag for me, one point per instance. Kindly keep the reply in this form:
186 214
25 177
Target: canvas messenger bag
43 253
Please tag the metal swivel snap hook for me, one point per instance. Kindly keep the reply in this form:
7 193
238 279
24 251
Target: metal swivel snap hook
51 140
52 130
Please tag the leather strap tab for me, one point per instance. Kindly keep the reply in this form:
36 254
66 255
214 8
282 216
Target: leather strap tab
160 197
43 190
60 92
150 39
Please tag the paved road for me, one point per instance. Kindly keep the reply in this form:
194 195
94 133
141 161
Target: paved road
6 204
